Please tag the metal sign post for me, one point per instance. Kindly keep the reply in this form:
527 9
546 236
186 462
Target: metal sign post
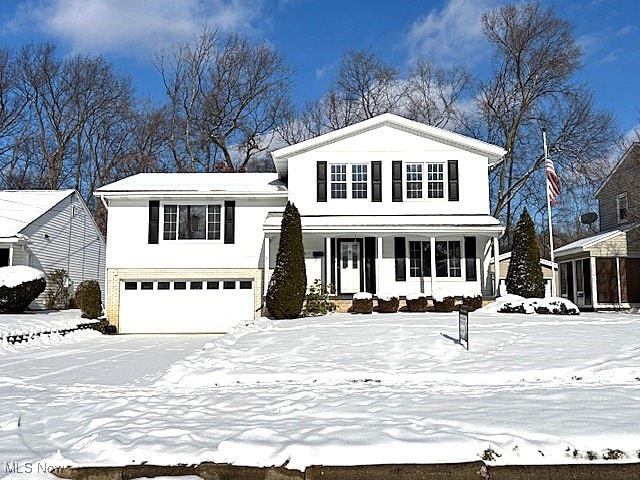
463 325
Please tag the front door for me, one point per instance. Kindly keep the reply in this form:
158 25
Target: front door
349 266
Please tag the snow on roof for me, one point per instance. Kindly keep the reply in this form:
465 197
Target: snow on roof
580 245
492 152
196 182
507 255
19 208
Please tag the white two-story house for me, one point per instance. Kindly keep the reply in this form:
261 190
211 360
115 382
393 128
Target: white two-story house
387 205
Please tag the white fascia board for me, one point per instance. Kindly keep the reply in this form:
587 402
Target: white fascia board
377 230
190 194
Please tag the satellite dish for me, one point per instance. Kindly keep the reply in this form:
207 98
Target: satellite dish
588 218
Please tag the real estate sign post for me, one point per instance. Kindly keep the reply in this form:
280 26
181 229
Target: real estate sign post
463 325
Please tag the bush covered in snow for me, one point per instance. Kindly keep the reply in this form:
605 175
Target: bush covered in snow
388 303
288 285
417 303
446 304
541 306
472 301
89 299
362 303
318 300
19 286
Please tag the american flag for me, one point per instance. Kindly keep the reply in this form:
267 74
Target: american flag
553 186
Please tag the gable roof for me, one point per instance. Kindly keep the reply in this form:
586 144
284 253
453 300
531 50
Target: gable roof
635 146
492 152
194 183
20 208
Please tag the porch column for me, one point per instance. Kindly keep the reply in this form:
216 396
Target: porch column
11 255
496 267
618 275
594 282
265 267
378 263
432 246
327 261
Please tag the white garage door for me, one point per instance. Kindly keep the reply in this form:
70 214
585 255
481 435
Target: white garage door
184 306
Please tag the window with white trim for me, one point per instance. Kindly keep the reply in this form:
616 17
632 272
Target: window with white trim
414 180
419 259
622 207
435 180
448 259
339 180
359 180
192 222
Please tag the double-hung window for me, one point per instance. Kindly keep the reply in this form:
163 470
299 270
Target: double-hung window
359 180
419 259
414 180
339 180
435 180
192 222
448 258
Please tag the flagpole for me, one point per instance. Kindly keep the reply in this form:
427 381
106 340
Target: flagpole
553 271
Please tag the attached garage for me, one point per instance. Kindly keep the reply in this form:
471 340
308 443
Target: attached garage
184 306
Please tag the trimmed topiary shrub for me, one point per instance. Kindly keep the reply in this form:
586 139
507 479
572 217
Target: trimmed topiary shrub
288 284
417 303
444 305
362 303
524 276
88 299
388 303
472 302
19 286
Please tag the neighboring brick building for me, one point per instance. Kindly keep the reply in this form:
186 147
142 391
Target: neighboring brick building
603 271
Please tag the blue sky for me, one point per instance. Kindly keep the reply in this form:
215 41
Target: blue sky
313 34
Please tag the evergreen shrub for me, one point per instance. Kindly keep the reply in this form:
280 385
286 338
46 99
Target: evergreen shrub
472 302
288 285
417 303
362 303
88 299
388 303
17 299
318 300
524 276
445 305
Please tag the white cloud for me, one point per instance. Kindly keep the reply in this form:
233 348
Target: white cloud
131 27
452 35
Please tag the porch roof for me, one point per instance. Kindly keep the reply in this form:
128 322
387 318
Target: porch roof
584 244
392 224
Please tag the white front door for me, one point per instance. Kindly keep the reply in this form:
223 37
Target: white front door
349 267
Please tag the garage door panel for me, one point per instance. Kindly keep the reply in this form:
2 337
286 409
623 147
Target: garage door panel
184 306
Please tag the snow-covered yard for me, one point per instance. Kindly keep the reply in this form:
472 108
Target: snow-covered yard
334 390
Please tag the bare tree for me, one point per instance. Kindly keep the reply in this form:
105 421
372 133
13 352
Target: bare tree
226 97
535 57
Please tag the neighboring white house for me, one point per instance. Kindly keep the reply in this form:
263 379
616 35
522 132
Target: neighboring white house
51 230
548 270
387 205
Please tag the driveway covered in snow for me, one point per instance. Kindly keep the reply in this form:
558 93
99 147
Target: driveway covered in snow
340 389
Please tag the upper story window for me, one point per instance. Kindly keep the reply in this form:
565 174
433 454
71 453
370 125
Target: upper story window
192 222
339 180
415 179
359 180
355 182
622 207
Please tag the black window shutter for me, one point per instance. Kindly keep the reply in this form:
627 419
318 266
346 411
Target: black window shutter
396 180
470 258
321 177
154 220
370 264
229 221
376 181
400 252
454 194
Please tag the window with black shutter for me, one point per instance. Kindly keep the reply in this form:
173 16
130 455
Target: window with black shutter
229 221
454 194
154 220
321 179
470 258
396 181
376 181
400 254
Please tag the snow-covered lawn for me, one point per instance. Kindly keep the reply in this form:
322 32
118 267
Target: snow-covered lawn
334 390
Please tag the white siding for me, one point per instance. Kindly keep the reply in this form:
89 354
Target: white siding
388 144
66 237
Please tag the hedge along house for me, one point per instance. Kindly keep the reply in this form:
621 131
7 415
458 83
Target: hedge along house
603 271
387 205
51 230
390 205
